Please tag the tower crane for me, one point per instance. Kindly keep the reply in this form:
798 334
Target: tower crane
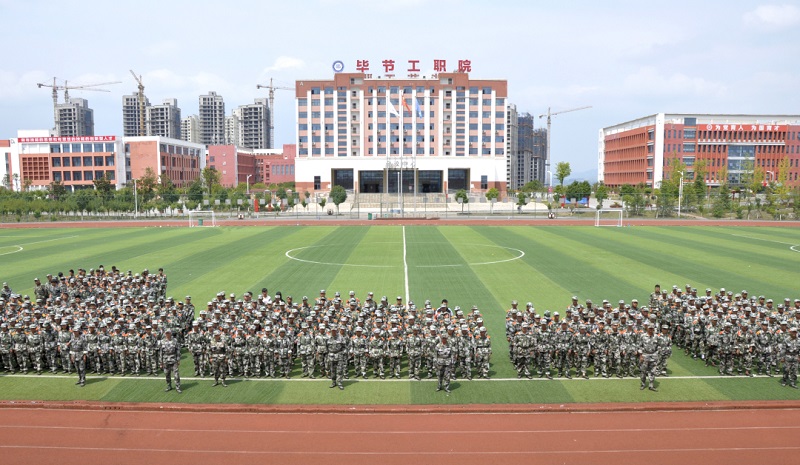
142 109
549 135
66 88
272 89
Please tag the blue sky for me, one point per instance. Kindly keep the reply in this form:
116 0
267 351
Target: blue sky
624 58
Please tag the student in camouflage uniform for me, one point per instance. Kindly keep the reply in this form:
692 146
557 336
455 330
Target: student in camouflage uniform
6 348
170 350
252 359
648 357
360 349
218 351
133 349
118 349
726 349
283 352
394 349
414 347
35 349
337 351
763 348
197 342
50 348
20 347
377 348
62 346
483 353
600 342
466 349
522 351
149 351
306 351
563 337
268 352
664 350
78 353
581 347
790 352
444 362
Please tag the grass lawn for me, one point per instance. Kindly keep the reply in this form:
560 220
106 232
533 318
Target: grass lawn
468 265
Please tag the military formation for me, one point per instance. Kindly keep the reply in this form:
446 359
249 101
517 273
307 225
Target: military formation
739 333
115 322
101 321
336 337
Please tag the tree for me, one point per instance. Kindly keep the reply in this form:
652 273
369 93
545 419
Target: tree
146 185
722 204
195 190
563 171
210 178
578 190
166 190
338 196
533 186
57 190
462 194
103 186
600 194
782 187
492 194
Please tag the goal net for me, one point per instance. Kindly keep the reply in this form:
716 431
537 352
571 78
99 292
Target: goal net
202 218
608 217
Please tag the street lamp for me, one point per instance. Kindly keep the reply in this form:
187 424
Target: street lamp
248 183
135 200
680 193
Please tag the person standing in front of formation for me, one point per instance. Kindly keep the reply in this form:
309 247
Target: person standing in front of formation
337 353
648 357
171 360
444 362
218 350
78 352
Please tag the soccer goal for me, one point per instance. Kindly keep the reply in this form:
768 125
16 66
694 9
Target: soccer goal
202 218
608 217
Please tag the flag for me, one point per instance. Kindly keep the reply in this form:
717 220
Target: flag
420 115
406 106
392 110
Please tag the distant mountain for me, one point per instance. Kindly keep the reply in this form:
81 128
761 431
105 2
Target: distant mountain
588 175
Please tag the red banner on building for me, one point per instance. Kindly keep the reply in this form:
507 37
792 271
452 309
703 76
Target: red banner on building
23 140
255 205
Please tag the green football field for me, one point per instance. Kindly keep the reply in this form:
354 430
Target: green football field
469 265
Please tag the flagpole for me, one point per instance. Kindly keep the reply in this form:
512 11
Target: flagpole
402 149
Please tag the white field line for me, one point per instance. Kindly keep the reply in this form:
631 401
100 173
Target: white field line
793 247
20 248
405 265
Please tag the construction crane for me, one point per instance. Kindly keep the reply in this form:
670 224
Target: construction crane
272 89
549 134
66 88
142 109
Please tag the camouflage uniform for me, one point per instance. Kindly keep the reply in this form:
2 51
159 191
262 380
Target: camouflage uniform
218 351
581 347
414 347
376 353
444 362
171 360
648 356
78 352
394 349
306 351
337 351
360 348
483 352
790 352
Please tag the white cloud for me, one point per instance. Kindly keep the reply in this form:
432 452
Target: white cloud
283 63
649 81
773 16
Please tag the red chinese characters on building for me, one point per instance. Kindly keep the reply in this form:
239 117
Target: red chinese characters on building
388 66
413 66
362 65
464 66
440 66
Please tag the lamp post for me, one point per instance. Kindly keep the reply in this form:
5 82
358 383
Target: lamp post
399 192
549 185
135 200
248 183
680 193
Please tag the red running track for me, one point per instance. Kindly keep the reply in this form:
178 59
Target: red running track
355 435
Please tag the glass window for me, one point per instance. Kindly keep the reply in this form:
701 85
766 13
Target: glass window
56 176
87 147
55 148
76 175
76 148
56 162
110 147
98 161
76 161
110 175
68 176
87 176
87 161
99 174
98 147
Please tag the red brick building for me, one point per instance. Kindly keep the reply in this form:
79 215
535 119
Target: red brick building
640 151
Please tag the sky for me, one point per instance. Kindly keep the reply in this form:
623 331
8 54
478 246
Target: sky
625 59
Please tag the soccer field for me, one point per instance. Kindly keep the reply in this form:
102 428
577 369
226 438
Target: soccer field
468 265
